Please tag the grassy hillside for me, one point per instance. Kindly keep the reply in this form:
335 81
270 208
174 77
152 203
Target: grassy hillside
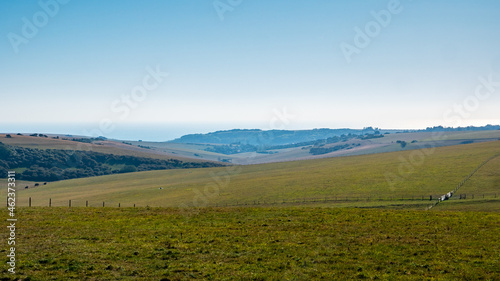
188 151
482 190
395 175
254 244
484 181
109 147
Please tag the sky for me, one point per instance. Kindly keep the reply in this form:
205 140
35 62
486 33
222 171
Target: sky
156 70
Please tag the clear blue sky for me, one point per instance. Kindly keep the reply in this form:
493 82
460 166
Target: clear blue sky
244 66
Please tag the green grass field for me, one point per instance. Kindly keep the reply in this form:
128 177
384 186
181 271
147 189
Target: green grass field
254 244
288 226
396 175
482 190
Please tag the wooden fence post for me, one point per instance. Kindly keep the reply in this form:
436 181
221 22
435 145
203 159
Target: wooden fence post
50 202
87 203
103 204
70 203
30 202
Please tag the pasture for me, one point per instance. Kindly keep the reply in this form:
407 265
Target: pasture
282 224
365 180
254 244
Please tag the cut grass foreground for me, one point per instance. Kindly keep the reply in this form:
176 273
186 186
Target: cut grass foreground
253 244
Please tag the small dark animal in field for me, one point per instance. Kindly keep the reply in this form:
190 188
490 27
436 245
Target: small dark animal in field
44 183
25 187
37 184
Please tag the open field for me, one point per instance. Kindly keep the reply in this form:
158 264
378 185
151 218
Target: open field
486 180
478 204
284 227
412 174
469 135
254 244
482 191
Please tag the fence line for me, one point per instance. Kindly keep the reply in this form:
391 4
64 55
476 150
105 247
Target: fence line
450 194
261 202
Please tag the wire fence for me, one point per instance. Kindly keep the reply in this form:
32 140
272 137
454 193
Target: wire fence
32 202
435 198
460 184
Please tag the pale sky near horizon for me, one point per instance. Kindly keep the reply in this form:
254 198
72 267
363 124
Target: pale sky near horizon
251 64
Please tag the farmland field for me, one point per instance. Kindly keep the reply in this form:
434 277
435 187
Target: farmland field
282 222
255 244
364 179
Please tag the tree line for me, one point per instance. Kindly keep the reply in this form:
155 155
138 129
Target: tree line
55 164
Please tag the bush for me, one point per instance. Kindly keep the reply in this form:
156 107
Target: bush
402 143
4 151
128 169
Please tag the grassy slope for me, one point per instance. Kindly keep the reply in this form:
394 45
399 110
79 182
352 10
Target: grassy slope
484 187
110 147
436 174
468 135
182 149
254 244
425 139
163 150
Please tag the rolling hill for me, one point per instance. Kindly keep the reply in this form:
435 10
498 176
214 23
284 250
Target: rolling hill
354 145
292 145
101 146
411 174
42 158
